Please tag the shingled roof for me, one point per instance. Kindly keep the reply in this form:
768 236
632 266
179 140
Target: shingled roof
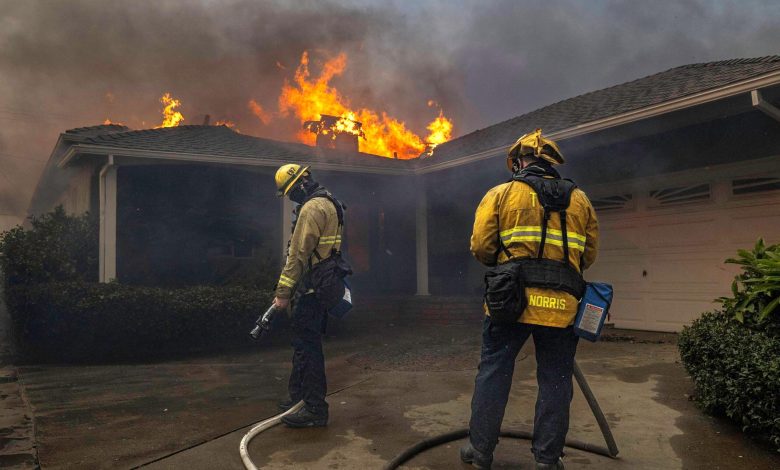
217 141
81 133
221 141
662 87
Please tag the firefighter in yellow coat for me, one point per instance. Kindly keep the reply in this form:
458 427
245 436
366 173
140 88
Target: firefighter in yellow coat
512 223
316 236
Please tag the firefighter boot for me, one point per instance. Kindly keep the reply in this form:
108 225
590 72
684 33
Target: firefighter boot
468 454
304 418
550 466
286 404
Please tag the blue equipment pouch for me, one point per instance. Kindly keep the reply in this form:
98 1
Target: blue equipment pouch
344 305
593 310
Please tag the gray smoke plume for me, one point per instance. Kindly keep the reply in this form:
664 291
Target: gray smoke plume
67 64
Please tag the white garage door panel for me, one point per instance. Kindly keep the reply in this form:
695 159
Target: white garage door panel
622 270
618 237
692 233
759 225
683 274
682 249
628 312
671 314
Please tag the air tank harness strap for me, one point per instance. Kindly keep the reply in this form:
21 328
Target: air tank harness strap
554 196
339 213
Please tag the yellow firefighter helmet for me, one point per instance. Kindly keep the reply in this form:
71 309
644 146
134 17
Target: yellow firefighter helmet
533 144
287 176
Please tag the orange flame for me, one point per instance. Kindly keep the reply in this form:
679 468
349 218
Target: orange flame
440 131
227 123
258 111
171 117
309 98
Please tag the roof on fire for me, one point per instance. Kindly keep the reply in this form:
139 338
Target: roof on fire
654 93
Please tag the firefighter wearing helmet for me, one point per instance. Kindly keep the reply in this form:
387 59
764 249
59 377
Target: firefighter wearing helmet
316 236
545 228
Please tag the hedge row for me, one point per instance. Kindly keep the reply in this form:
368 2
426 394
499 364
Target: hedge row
736 371
78 320
57 247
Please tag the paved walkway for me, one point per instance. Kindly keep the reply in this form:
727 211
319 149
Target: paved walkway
389 389
17 450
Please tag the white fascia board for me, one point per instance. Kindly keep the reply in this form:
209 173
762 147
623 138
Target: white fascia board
703 97
224 160
767 166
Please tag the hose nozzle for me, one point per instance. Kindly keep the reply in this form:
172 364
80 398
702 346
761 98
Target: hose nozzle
263 324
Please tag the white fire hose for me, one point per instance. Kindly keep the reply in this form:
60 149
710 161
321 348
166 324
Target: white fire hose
260 427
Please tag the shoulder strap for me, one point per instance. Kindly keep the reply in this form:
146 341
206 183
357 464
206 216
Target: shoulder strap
554 196
501 245
554 193
340 207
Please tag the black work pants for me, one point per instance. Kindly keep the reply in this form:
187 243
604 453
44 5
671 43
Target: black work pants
555 349
307 379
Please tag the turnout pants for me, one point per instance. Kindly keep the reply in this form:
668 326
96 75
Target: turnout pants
555 349
307 379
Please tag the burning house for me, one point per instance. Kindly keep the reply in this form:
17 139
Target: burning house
338 133
682 166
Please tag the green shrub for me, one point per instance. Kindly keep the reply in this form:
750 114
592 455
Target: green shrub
733 355
736 371
58 247
756 291
76 320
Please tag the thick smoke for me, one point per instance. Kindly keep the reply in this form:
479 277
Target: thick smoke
76 63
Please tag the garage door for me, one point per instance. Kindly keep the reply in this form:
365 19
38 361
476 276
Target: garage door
663 249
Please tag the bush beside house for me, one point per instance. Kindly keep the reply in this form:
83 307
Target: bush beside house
60 312
733 355
78 320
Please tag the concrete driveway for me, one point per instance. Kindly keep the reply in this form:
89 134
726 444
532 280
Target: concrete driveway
388 389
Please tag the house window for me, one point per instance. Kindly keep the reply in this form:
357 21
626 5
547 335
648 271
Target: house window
242 249
680 195
754 185
613 203
219 250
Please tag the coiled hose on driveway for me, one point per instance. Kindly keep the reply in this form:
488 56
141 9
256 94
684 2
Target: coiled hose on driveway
610 451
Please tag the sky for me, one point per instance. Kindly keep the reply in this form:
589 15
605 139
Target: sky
66 64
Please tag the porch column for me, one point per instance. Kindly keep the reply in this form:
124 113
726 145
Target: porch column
287 207
107 189
422 239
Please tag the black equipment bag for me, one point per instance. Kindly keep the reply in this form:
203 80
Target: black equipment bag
505 293
327 276
327 279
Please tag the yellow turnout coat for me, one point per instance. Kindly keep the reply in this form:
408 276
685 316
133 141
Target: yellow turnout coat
512 213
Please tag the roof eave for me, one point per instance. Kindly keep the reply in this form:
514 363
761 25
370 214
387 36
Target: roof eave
708 96
90 149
